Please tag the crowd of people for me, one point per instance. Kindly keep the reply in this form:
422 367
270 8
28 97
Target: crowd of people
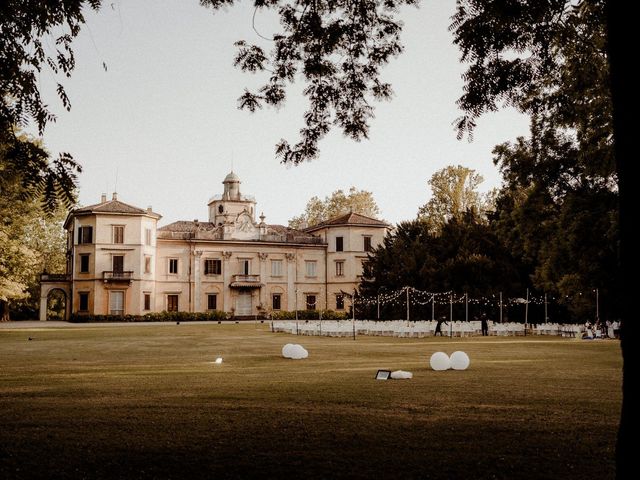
598 329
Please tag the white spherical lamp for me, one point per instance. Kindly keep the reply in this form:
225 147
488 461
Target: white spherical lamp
440 361
459 361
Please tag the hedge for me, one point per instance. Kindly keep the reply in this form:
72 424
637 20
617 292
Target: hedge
215 315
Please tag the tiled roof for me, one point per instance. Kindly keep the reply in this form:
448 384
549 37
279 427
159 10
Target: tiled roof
349 219
112 206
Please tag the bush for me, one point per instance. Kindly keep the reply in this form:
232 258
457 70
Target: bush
215 315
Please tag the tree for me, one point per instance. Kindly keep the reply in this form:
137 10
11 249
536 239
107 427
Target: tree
339 203
29 28
29 241
338 47
556 61
465 255
454 192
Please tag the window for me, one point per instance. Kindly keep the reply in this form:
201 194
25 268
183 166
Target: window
147 264
311 302
147 301
147 236
212 266
116 303
220 209
340 268
118 234
276 301
340 302
84 263
172 303
84 301
117 262
276 268
245 265
212 301
310 268
339 244
85 235
173 266
367 244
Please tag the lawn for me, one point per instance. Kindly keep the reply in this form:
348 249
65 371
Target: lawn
148 402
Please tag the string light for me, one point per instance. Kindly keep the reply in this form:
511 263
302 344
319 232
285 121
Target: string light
423 297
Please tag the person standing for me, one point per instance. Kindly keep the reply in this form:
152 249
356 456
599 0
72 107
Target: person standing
441 320
484 325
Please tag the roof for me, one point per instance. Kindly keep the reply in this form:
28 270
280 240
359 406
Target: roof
184 229
187 226
111 206
232 177
349 219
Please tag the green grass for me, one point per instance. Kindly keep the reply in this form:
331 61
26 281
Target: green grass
148 402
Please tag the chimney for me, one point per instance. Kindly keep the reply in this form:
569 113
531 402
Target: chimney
149 209
103 198
115 196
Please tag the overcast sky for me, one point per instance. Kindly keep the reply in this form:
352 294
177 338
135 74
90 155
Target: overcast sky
163 122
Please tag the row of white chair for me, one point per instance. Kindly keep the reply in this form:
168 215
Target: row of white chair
426 328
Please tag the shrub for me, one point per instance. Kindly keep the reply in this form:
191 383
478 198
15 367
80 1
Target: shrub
215 315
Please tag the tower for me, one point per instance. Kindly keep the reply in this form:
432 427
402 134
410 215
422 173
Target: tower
226 207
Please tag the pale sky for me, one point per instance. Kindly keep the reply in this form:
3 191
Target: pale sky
163 119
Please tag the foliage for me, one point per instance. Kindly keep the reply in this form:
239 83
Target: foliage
338 47
559 205
464 256
339 203
454 192
30 242
214 315
36 37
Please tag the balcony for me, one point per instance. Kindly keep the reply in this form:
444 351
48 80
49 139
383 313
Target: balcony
111 276
246 281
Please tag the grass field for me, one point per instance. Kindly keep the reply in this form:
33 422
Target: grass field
148 402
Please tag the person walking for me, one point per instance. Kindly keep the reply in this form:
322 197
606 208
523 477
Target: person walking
484 324
441 320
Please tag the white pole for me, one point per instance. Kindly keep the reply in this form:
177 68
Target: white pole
597 306
546 315
353 303
433 296
451 315
407 303
466 307
378 306
500 307
526 313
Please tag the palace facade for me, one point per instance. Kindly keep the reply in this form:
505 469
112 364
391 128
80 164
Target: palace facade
120 262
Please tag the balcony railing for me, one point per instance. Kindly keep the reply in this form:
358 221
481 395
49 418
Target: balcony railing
247 278
55 277
113 276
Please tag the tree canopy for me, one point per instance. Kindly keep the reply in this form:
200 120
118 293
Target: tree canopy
453 193
29 242
339 203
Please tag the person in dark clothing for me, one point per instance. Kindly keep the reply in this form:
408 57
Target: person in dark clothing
484 324
441 320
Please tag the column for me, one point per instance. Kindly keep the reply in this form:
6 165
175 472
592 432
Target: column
291 281
226 280
263 279
197 294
